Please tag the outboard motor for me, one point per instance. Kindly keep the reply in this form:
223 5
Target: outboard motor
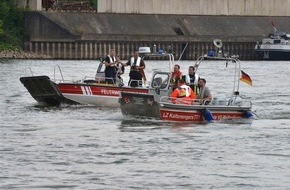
248 115
208 115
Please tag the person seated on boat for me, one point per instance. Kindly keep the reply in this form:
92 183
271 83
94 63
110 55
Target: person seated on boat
110 70
137 70
176 75
191 79
183 94
204 96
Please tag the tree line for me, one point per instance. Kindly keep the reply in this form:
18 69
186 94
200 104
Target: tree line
11 26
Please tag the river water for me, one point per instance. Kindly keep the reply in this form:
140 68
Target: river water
88 147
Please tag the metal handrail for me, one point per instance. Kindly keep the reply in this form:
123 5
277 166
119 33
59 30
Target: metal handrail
97 80
168 99
171 58
237 74
29 70
244 102
138 81
59 71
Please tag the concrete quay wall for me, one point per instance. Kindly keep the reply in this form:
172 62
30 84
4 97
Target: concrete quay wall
197 7
95 50
91 35
184 7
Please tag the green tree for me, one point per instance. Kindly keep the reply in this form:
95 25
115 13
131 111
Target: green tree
1 27
94 4
11 25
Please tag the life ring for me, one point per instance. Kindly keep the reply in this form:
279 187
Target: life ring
218 43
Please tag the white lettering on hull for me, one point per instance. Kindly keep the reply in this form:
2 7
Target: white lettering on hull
110 92
180 116
194 117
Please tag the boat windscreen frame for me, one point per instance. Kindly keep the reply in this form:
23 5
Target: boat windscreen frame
169 55
233 59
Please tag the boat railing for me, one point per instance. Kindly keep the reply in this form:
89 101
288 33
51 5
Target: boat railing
240 102
86 79
101 79
228 59
92 80
59 69
172 100
30 70
232 58
97 80
138 82
169 55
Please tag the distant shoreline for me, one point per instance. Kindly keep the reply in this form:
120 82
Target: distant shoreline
9 54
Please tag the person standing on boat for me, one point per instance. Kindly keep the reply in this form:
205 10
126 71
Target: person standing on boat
175 76
136 72
191 79
110 70
120 69
204 96
183 94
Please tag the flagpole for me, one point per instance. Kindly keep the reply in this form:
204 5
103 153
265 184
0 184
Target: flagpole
239 75
273 26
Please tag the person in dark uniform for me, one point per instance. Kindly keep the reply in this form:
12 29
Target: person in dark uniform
191 79
136 71
110 70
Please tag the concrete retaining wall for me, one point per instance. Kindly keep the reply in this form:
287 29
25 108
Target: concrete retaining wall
197 7
91 35
185 7
91 26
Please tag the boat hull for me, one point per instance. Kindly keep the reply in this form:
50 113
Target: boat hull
142 105
197 113
100 95
146 105
44 91
273 54
47 92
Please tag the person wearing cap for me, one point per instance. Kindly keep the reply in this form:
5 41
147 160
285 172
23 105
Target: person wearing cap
183 94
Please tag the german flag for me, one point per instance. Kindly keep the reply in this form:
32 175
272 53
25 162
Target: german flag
246 78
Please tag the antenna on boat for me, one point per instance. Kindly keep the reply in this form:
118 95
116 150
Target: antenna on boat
182 52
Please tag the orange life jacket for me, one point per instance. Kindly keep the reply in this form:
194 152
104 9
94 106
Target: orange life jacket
183 95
